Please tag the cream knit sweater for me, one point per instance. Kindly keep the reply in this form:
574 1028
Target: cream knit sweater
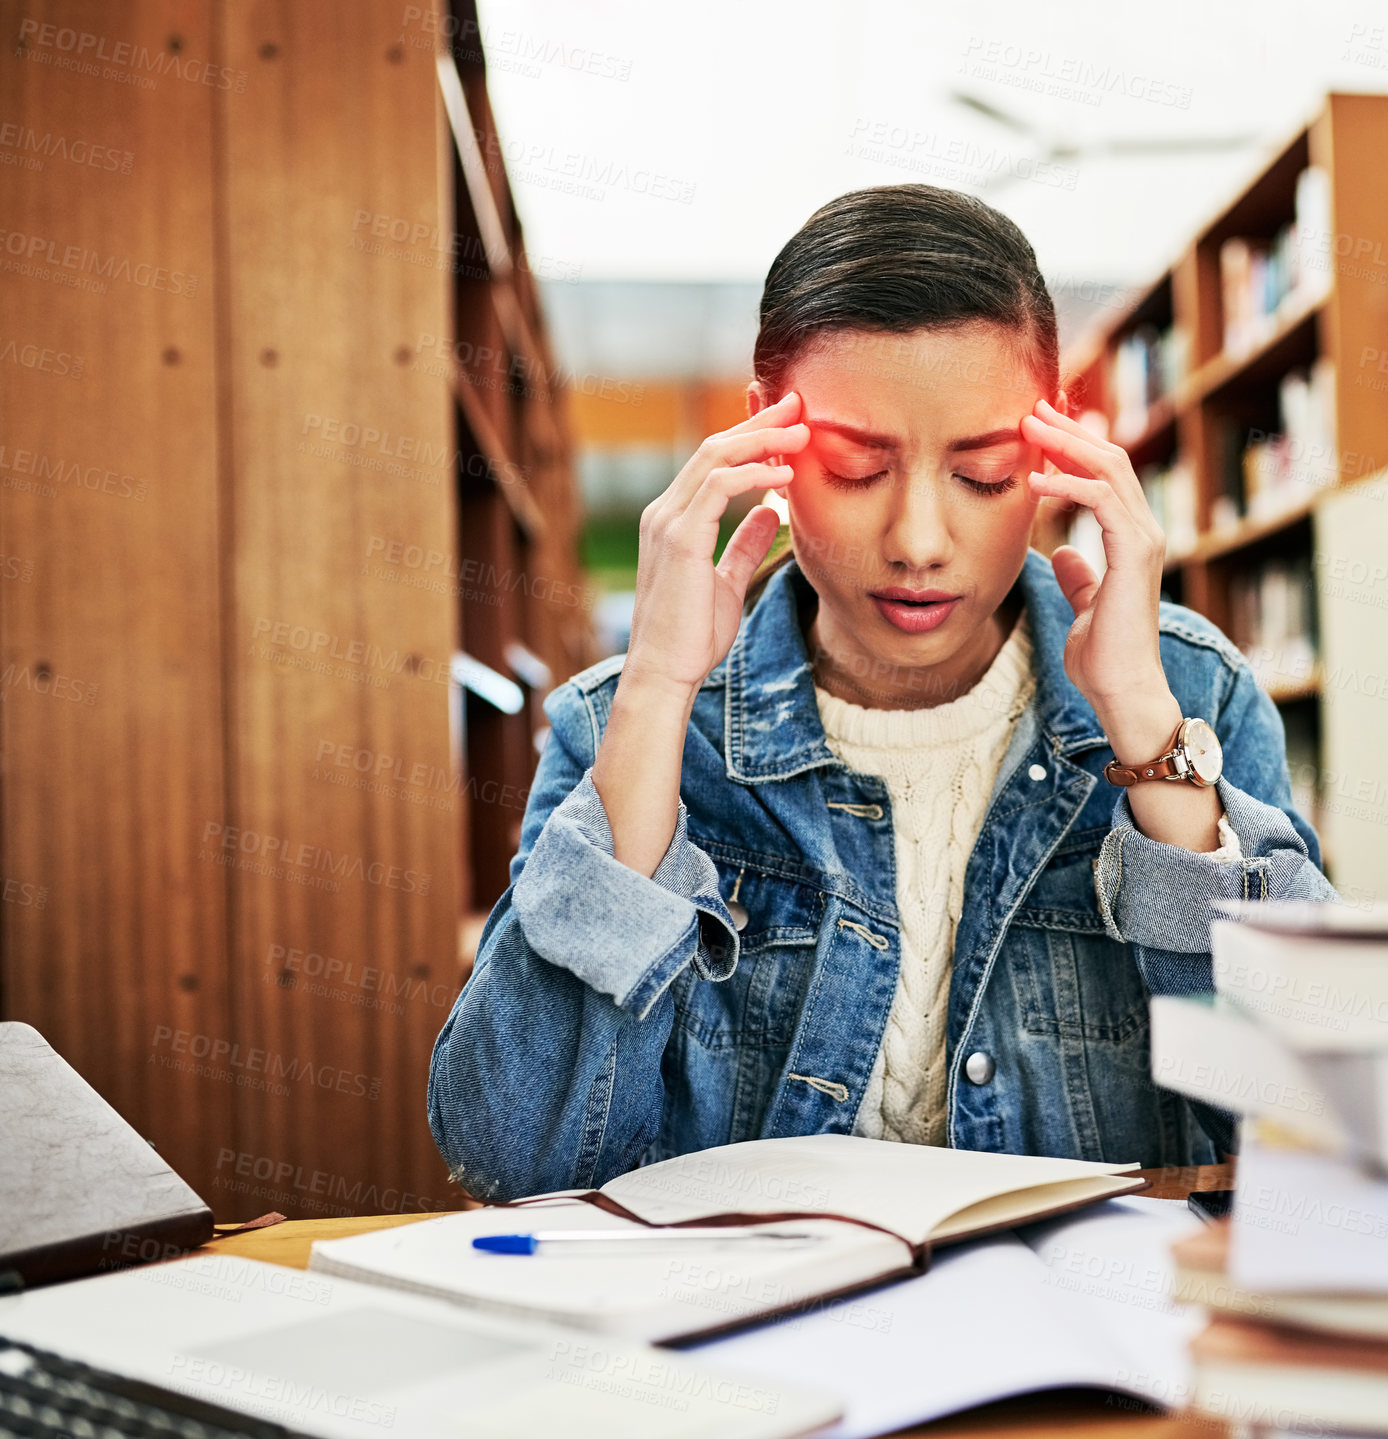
939 764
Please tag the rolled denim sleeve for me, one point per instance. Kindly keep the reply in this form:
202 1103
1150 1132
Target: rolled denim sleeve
1161 896
621 932
548 1073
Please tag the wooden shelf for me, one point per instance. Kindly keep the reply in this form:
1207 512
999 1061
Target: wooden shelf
1271 357
507 473
519 516
1225 397
1216 544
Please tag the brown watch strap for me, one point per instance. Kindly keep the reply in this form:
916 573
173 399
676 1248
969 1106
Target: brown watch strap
1164 767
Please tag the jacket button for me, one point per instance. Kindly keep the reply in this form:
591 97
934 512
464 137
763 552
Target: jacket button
1037 771
979 1067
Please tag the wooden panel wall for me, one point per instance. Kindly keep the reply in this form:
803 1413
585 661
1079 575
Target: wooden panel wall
113 930
230 819
340 633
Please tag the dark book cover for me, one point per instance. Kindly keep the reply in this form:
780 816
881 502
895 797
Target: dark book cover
80 1190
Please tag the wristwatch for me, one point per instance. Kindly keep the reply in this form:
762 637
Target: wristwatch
1194 754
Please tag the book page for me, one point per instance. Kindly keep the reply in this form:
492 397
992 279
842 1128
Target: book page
907 1188
1113 1266
992 1318
658 1291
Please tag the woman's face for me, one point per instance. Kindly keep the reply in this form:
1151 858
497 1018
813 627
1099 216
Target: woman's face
915 477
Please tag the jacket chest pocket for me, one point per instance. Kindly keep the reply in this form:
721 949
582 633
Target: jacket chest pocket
1070 978
758 1005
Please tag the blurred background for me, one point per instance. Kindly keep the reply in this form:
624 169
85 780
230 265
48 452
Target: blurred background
342 344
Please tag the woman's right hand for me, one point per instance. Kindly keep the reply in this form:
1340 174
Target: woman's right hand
688 609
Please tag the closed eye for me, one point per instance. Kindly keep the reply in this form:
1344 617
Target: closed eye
981 487
984 487
852 482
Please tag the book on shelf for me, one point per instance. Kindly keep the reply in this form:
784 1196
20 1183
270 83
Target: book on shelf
1284 469
1273 620
1170 491
1314 235
1264 278
878 1211
1148 365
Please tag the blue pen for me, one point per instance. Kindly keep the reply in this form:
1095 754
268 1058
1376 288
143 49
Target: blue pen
640 1238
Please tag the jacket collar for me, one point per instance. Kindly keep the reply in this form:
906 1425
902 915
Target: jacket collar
771 724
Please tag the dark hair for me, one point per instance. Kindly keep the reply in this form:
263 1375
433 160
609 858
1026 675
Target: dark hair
897 258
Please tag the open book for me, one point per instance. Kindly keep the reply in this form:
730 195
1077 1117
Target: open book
878 1209
1083 1300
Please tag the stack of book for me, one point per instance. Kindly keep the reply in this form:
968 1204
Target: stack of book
1295 1040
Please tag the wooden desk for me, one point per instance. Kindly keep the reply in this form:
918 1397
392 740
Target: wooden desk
1053 1414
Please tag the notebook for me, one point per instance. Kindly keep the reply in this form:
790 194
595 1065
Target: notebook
877 1209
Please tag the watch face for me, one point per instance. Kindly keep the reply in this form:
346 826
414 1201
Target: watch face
1204 751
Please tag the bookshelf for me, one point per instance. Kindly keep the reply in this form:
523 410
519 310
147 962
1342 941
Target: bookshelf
526 614
1245 384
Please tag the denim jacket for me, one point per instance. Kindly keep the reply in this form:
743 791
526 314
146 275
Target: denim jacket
614 1019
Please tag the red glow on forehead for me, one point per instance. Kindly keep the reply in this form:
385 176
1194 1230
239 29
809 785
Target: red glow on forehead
988 439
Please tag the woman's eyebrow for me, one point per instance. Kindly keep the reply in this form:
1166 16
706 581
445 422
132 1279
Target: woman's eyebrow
859 437
889 442
988 439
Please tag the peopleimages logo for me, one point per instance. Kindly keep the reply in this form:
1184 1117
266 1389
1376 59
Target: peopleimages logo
42 254
314 857
32 149
210 1056
288 1178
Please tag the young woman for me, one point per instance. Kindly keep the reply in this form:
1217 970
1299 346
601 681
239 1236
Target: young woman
838 850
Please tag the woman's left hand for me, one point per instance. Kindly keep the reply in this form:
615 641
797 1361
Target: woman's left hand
1111 653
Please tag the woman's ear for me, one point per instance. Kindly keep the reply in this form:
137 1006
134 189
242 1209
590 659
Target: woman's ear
1062 402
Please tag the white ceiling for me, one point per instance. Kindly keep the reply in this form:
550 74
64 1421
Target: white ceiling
751 114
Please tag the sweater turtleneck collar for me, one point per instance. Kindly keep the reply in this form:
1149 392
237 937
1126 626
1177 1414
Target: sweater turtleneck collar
999 697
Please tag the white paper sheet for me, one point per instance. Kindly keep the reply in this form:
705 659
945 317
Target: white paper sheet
1085 1300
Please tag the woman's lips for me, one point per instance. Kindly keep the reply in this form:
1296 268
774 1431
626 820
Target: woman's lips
915 619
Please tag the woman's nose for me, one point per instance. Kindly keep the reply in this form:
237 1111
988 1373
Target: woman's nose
918 534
